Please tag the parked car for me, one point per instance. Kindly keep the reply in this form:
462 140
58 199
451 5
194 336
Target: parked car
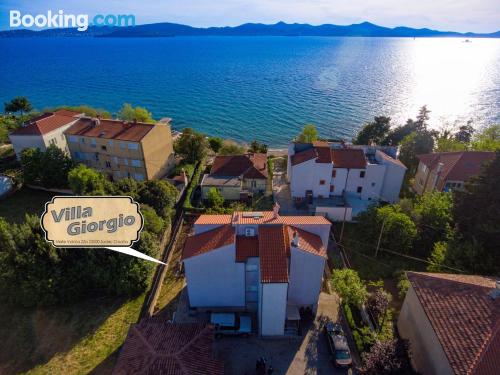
338 345
231 324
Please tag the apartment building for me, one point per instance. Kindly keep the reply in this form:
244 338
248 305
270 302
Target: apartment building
260 262
122 149
445 171
44 130
334 169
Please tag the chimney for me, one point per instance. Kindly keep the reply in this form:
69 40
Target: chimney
295 239
495 292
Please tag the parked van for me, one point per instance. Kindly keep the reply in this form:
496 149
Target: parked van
231 324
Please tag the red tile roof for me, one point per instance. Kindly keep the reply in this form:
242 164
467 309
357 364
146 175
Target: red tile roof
213 219
246 247
247 166
267 217
111 129
457 166
207 241
47 122
308 242
154 346
348 158
274 246
303 156
465 318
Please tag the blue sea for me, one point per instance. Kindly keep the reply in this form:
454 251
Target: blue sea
263 88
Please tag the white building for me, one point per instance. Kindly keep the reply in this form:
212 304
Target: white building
257 261
43 131
323 170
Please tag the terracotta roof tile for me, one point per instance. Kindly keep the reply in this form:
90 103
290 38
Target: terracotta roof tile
111 129
324 154
303 156
348 158
457 166
213 219
247 166
308 242
267 217
274 249
47 122
207 241
154 346
246 247
465 318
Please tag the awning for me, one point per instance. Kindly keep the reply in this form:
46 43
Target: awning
292 312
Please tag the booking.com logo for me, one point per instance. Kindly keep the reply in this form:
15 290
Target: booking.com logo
61 20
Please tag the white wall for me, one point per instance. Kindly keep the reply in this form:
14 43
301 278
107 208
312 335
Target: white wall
21 142
375 174
272 309
427 354
307 176
321 230
306 274
353 180
339 182
335 213
393 181
215 279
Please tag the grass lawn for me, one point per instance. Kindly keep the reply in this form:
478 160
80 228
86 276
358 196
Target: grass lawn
26 200
73 339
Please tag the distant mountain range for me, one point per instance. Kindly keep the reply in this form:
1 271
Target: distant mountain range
165 29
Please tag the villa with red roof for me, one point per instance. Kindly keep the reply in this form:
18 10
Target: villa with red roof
235 176
444 171
334 174
260 262
452 323
44 130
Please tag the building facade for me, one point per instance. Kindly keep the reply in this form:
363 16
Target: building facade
43 131
235 176
445 171
261 262
122 149
327 169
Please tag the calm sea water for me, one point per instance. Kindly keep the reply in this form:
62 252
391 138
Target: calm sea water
263 88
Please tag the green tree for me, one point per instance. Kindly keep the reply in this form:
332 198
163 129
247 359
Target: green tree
152 222
309 134
160 195
422 118
438 257
412 145
475 213
465 133
87 110
129 113
375 131
215 143
231 148
256 147
87 181
348 285
18 104
191 145
214 198
488 139
47 168
127 186
434 218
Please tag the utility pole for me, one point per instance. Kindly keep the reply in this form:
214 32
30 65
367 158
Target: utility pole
380 237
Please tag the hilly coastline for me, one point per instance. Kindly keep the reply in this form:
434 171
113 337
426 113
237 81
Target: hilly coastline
165 29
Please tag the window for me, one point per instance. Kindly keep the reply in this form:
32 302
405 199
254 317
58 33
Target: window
362 174
78 156
122 145
373 184
82 140
139 176
133 146
93 143
254 184
249 232
321 182
334 173
125 161
332 188
73 139
115 160
110 143
359 189
104 148
108 164
135 163
96 156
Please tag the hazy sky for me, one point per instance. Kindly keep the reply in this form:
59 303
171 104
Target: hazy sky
455 15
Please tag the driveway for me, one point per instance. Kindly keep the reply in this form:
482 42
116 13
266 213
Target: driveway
306 355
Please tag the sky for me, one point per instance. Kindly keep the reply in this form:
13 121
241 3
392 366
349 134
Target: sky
447 15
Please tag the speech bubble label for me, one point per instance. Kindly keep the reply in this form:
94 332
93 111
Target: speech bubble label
134 253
